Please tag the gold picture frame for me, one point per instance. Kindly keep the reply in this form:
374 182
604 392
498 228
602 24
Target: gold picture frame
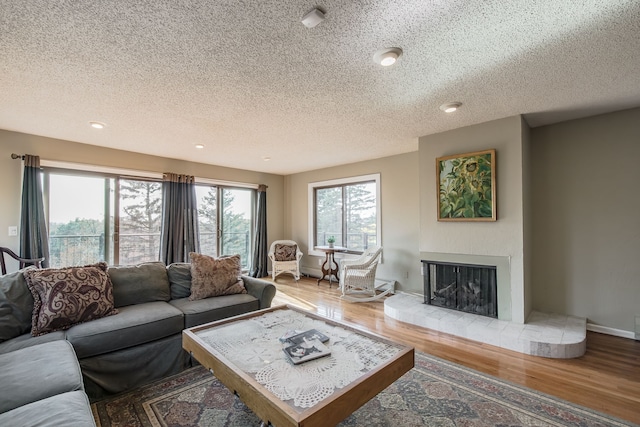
466 186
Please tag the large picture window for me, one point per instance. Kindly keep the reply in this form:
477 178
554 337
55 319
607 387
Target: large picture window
102 218
346 209
225 220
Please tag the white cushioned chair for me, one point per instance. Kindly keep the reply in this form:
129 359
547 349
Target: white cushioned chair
285 257
357 276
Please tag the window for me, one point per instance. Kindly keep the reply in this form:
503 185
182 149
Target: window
225 220
140 221
347 209
80 219
95 218
109 215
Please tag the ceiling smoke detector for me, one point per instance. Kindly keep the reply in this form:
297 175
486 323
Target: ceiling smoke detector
387 56
450 107
313 18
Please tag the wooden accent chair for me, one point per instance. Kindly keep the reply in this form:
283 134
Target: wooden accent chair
22 261
358 276
285 257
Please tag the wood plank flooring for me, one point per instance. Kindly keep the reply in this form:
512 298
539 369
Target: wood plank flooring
606 378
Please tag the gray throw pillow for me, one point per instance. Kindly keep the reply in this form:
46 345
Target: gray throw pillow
179 279
16 305
137 284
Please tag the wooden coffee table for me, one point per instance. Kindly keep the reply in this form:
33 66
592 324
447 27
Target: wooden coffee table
245 354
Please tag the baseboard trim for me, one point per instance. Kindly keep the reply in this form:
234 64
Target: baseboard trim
311 272
611 331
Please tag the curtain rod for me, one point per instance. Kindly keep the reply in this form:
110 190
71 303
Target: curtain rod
15 156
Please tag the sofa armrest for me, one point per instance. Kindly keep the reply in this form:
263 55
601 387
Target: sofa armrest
263 290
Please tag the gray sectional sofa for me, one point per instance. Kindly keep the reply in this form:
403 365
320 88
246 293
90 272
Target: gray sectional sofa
140 344
42 386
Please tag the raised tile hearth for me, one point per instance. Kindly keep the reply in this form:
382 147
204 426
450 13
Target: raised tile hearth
547 335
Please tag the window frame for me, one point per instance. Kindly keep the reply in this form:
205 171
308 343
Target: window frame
117 173
220 188
340 182
102 173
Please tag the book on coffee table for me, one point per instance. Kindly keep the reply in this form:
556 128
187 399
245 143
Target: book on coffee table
301 337
306 350
284 339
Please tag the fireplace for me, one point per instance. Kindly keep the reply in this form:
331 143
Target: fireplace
464 287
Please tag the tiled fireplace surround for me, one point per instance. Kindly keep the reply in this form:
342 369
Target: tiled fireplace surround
542 334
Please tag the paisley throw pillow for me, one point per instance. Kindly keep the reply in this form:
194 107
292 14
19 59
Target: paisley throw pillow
68 296
285 252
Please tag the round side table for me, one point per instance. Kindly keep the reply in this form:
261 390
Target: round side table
330 266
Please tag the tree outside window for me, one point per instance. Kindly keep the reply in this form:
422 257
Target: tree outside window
225 218
140 221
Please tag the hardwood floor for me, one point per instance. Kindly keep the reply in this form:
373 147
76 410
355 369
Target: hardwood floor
606 378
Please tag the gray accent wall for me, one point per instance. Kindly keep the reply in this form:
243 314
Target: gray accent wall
586 218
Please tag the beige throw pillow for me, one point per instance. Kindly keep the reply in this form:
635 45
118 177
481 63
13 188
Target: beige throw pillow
285 252
211 277
63 297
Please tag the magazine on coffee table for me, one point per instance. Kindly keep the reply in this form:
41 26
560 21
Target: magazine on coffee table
301 337
306 350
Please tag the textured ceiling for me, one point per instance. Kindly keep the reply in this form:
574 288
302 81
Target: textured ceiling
249 81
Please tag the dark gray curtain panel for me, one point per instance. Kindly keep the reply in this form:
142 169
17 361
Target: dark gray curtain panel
34 239
260 247
179 233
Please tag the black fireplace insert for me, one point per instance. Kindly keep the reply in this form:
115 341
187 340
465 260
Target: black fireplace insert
464 287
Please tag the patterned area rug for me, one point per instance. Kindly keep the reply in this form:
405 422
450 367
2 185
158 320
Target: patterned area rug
434 393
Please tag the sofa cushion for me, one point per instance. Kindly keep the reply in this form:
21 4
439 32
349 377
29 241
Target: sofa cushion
28 340
212 309
126 369
136 284
179 279
29 375
63 297
212 277
66 409
16 306
285 252
133 325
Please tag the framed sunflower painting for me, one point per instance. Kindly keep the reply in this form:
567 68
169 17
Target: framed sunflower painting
467 186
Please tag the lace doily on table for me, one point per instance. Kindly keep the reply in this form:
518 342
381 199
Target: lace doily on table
253 346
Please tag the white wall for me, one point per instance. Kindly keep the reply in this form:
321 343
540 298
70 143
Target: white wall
503 238
586 218
400 201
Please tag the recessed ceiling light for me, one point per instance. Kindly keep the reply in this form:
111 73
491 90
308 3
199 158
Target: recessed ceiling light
200 146
387 56
313 18
450 107
97 125
266 159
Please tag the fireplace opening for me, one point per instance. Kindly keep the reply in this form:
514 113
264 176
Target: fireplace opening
462 287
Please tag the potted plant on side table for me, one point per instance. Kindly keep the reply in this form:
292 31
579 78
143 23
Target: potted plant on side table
331 240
